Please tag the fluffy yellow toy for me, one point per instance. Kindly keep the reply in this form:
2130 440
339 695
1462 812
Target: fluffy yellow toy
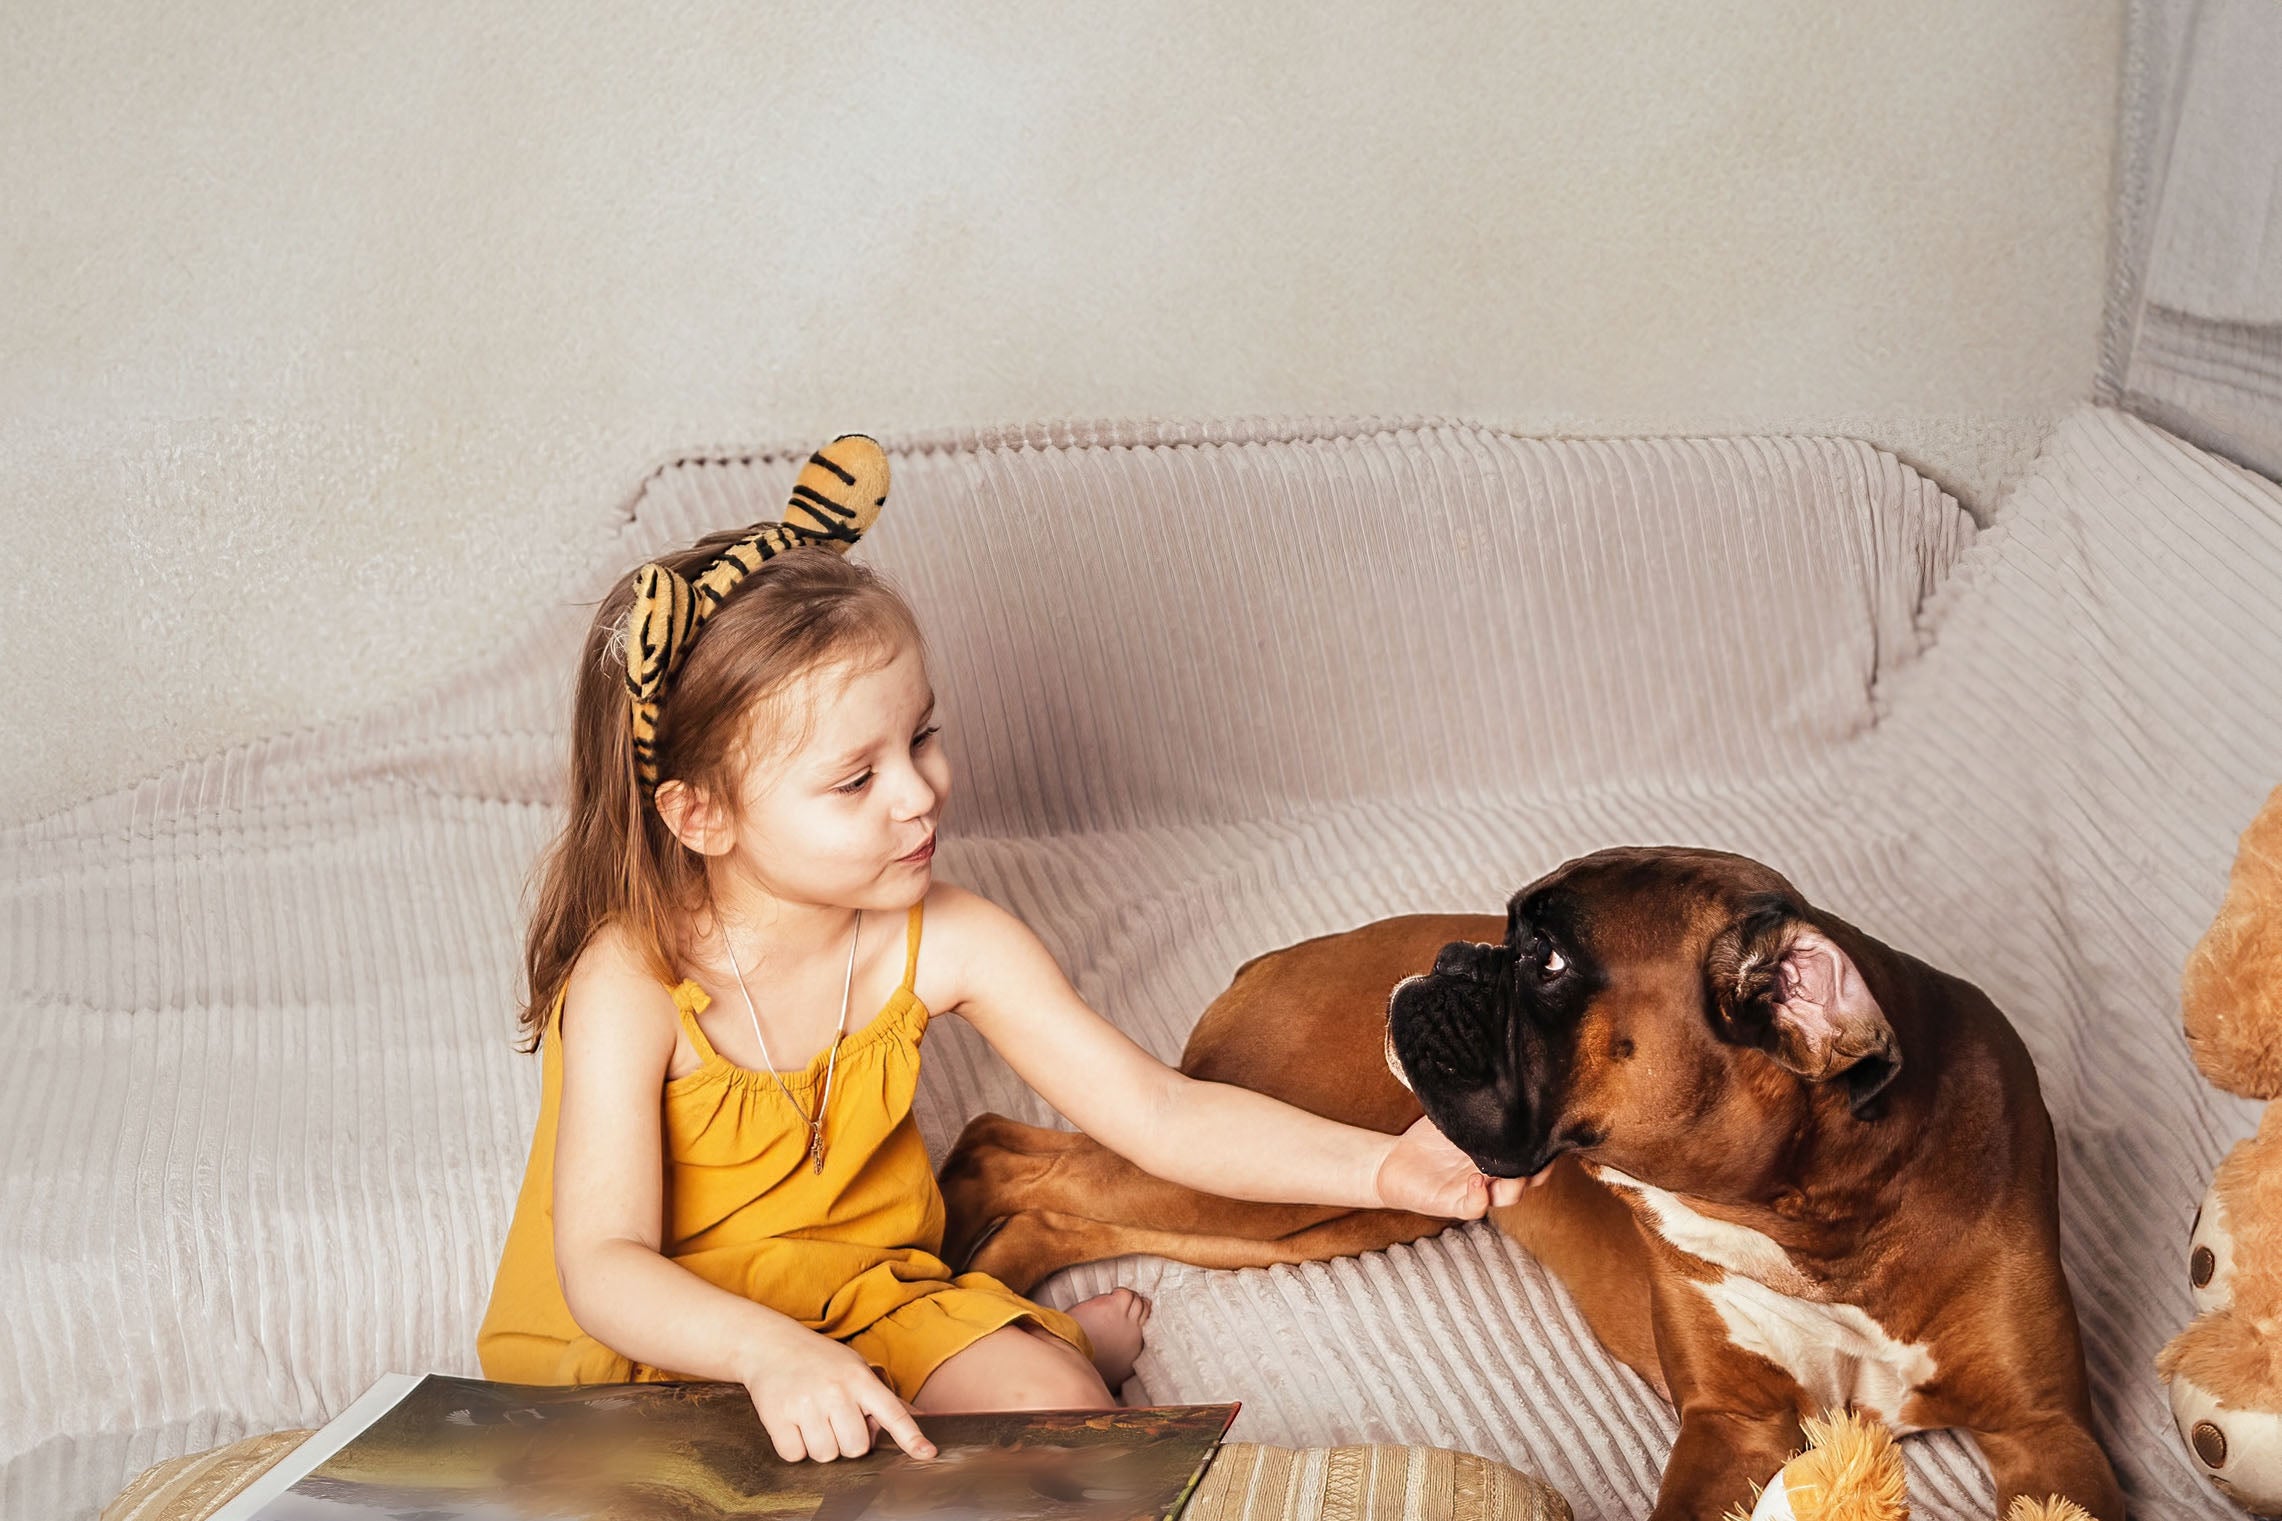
2225 1368
1852 1471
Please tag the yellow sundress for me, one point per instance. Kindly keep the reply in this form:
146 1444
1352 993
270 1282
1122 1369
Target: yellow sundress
851 1252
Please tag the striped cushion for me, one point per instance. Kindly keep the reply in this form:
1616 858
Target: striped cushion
1250 1482
193 1487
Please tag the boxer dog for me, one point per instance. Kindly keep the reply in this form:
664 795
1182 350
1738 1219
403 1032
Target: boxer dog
1780 1166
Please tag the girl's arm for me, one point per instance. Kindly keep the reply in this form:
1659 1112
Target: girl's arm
1214 1137
617 1035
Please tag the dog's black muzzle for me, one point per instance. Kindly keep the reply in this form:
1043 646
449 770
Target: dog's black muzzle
1466 1041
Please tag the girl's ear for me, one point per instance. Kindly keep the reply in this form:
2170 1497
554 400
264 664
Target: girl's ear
695 819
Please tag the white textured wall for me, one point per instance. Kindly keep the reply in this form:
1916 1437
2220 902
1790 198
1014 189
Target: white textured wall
329 340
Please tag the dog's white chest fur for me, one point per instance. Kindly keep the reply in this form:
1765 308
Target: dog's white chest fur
1838 1354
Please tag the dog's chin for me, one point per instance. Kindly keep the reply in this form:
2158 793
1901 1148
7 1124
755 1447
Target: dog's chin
1532 1164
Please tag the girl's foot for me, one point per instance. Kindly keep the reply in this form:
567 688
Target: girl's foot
1113 1323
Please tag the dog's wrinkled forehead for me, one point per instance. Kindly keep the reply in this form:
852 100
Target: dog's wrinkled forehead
1640 902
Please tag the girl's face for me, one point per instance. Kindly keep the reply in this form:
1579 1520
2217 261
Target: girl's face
847 818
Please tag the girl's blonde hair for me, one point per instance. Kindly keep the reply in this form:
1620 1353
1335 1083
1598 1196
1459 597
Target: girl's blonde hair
615 860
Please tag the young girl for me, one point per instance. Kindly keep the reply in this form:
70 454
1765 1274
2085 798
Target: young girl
726 1181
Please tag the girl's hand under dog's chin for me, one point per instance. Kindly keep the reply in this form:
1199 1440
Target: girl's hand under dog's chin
1425 1174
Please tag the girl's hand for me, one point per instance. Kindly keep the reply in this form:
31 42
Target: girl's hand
818 1398
1426 1175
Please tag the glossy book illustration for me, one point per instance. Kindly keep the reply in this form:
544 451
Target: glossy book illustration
455 1449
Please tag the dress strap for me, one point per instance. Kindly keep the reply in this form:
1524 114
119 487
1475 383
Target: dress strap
689 998
911 946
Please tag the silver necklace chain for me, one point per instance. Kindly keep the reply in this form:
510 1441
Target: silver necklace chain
815 1121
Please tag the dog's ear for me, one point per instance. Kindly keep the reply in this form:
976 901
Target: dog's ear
1778 983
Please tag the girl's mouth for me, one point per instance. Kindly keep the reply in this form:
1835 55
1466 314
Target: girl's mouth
920 856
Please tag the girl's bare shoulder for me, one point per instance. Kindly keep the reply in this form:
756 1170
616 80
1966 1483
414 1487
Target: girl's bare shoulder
956 917
614 998
965 933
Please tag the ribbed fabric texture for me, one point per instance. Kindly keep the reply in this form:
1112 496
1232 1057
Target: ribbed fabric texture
2194 340
2218 383
1207 694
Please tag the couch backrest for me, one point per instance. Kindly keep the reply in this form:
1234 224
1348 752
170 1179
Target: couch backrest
1133 629
1137 626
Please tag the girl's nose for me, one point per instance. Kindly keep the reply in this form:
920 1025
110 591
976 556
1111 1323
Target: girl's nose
912 798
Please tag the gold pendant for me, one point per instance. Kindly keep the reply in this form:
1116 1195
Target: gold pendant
816 1148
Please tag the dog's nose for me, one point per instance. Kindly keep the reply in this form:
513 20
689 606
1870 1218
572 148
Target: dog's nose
1463 958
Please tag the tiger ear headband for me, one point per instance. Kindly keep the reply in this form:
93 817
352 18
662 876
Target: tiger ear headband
838 495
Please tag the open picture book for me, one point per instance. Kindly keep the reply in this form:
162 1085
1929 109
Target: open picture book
457 1449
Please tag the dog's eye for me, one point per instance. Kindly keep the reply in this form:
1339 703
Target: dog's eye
1555 963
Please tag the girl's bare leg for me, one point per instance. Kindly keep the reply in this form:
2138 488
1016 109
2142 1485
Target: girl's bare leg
1015 1367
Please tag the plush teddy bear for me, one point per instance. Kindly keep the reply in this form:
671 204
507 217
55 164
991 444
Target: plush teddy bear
2225 1368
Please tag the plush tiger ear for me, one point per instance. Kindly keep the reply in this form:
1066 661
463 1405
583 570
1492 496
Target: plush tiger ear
658 627
840 491
837 496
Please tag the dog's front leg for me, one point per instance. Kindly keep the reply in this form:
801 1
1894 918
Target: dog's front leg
1721 1458
1739 1412
2052 1457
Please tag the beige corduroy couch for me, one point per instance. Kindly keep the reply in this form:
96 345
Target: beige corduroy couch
1208 691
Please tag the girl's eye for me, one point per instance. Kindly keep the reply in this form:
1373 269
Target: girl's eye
925 735
855 786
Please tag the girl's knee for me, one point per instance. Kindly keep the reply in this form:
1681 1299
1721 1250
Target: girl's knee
1065 1382
1050 1374
1016 1368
